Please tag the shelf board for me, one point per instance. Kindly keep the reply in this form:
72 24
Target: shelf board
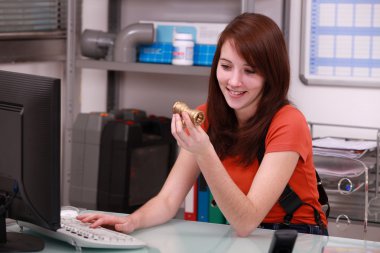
144 67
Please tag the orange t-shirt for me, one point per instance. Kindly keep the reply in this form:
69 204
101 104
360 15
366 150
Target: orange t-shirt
288 131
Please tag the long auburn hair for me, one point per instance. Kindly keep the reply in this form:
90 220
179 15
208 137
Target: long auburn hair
260 42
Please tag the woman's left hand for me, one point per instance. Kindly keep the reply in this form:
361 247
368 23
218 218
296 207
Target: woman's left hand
189 136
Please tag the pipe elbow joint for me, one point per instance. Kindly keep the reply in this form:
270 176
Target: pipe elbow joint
129 38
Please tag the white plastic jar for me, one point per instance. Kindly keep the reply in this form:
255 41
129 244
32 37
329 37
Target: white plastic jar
183 49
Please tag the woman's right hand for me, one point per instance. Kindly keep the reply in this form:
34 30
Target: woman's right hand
189 136
124 224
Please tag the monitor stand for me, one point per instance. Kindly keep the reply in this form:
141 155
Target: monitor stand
17 242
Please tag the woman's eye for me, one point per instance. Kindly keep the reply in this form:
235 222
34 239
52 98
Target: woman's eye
225 67
250 71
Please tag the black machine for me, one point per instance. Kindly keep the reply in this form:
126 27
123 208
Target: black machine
136 155
29 156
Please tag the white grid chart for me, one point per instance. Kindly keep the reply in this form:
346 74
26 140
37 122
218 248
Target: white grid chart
345 38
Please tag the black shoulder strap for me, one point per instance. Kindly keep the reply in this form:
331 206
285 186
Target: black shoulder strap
323 199
261 149
289 200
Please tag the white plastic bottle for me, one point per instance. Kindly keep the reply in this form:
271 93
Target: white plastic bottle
183 49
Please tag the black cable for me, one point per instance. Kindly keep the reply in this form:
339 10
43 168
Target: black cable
8 200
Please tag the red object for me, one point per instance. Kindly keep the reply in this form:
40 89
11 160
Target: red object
191 204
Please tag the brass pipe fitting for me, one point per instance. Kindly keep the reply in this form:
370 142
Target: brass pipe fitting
196 116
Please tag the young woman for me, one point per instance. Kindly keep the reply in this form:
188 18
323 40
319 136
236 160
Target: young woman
247 108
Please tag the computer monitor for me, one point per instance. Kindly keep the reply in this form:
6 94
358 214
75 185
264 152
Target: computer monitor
29 156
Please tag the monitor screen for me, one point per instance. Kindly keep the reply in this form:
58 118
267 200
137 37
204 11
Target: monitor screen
29 156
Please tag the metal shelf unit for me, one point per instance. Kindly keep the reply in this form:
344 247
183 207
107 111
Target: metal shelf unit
75 63
144 67
360 200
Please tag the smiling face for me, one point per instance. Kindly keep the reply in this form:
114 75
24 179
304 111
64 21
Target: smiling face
240 83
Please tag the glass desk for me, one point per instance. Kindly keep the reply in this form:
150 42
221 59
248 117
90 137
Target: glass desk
179 236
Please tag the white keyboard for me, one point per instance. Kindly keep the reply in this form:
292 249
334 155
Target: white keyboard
80 235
